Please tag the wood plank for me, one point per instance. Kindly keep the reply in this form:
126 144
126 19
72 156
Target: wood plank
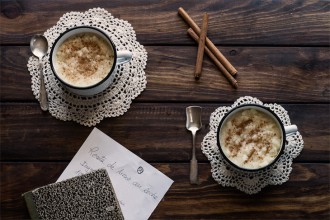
208 200
154 131
273 74
253 22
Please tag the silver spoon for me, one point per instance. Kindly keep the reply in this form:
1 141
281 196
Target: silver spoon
39 47
193 124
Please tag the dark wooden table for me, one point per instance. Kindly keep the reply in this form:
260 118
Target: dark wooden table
281 50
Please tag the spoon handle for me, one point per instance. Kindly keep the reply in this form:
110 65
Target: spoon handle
193 171
42 92
193 163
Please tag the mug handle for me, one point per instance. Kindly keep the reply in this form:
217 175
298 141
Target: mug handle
124 56
290 130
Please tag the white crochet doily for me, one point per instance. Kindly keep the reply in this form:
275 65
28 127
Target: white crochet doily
129 82
250 182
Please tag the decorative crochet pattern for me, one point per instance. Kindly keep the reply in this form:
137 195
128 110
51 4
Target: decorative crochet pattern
129 81
250 182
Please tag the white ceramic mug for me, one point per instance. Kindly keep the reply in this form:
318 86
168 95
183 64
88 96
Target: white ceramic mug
285 131
120 57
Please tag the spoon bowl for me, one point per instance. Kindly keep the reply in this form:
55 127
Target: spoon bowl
39 47
193 124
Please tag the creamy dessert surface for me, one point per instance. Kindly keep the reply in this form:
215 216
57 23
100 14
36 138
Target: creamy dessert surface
84 59
251 139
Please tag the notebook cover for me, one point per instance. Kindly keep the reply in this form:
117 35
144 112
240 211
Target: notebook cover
89 196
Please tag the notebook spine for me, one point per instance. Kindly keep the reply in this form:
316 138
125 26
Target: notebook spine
28 197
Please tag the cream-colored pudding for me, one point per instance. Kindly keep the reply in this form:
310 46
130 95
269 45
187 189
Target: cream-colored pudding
84 60
251 139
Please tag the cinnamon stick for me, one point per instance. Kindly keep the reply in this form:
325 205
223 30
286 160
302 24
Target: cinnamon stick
208 42
229 77
201 46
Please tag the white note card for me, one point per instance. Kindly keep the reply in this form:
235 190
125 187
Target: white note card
138 185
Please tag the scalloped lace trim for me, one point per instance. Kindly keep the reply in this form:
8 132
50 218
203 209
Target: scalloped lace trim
130 79
250 183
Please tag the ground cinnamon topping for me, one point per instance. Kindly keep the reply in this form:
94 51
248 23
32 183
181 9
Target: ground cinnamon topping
250 156
84 59
250 138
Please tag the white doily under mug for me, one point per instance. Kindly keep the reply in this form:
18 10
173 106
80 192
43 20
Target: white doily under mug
250 182
129 81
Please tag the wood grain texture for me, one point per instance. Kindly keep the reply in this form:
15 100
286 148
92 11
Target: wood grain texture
281 51
154 131
253 22
208 200
275 74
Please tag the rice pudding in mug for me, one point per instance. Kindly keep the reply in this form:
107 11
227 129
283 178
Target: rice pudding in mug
252 137
84 60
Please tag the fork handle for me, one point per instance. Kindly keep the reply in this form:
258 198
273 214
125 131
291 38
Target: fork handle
193 171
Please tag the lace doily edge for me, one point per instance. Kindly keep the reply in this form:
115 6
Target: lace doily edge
212 134
138 47
104 116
